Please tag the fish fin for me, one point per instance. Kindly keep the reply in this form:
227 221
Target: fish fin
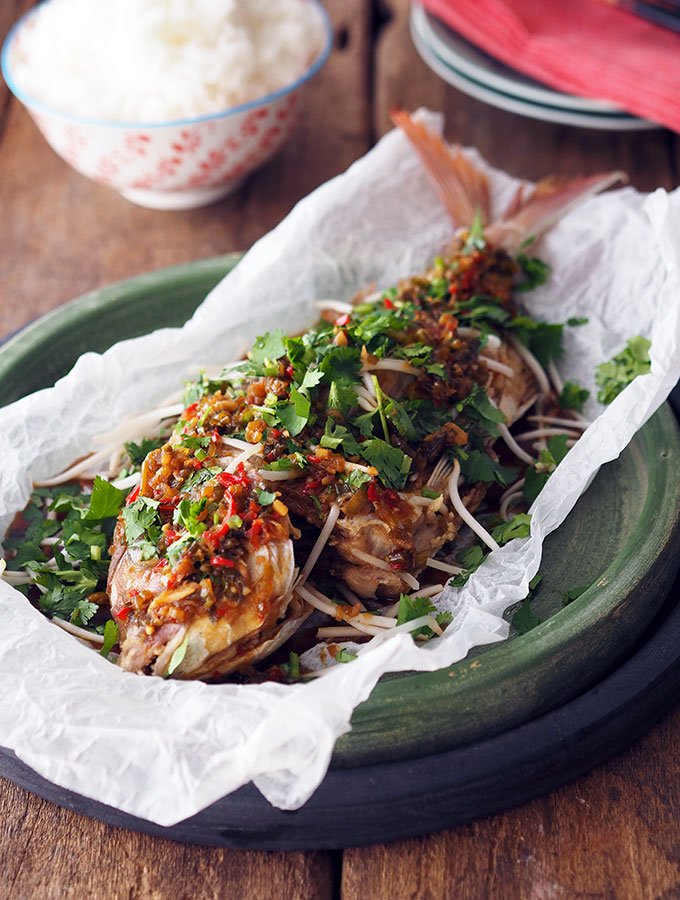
550 201
461 187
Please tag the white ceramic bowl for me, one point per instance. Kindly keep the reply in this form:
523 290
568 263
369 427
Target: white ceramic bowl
171 165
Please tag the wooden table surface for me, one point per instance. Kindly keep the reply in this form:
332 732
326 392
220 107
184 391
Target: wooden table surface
611 834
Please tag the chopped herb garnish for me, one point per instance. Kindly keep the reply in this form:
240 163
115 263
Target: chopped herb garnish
393 464
139 452
411 608
536 272
573 396
613 376
110 638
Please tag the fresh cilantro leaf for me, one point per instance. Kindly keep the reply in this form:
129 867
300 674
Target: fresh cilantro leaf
364 422
518 527
411 608
81 542
480 410
187 516
267 349
524 619
573 396
534 482
479 466
294 415
194 392
355 478
402 420
377 324
574 321
439 288
139 452
436 369
481 307
341 364
613 376
418 354
195 441
110 638
543 339
535 271
311 378
393 465
143 525
549 458
341 397
264 498
338 436
105 500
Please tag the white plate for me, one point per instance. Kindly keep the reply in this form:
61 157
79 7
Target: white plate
456 51
611 121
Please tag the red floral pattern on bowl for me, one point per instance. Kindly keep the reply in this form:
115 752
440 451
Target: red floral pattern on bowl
173 166
178 165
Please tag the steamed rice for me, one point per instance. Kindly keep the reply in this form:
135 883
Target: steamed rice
159 60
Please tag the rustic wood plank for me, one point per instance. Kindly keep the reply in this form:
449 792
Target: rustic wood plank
48 853
64 235
611 835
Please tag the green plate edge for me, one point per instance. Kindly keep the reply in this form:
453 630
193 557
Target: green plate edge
494 688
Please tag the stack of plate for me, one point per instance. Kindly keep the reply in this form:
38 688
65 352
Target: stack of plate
474 72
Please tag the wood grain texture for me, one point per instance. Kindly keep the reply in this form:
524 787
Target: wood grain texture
611 835
48 853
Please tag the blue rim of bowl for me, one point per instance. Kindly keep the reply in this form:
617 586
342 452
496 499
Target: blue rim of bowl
37 105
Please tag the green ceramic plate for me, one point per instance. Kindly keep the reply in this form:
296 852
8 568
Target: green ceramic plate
620 541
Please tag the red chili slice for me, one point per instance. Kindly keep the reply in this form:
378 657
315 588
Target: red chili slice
342 320
132 496
123 614
222 561
372 492
387 303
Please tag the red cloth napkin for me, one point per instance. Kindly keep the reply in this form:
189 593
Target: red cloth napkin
582 47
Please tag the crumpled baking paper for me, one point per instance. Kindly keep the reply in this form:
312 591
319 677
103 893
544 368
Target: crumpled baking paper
163 750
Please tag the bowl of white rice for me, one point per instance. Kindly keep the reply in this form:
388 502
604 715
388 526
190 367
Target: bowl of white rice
171 102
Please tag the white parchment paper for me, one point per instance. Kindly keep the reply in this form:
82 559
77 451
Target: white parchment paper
163 750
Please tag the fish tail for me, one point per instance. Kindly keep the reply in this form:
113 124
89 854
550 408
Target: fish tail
462 188
549 201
